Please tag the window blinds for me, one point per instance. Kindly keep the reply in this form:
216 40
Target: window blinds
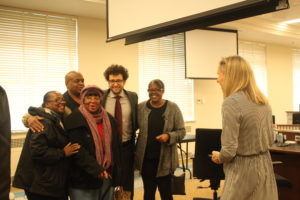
36 51
164 58
255 54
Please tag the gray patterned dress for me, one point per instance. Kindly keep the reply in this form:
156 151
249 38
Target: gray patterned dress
247 134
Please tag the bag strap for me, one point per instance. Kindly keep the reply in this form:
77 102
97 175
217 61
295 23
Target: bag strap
183 166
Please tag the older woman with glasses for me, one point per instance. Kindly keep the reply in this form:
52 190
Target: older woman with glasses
43 166
99 156
161 127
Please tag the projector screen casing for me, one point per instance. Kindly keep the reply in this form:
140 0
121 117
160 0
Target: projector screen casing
205 48
139 20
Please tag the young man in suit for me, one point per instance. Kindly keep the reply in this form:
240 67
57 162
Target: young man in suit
116 76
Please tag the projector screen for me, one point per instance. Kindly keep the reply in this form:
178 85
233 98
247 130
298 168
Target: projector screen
205 48
138 20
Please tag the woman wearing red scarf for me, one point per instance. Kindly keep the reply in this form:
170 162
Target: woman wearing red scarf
99 156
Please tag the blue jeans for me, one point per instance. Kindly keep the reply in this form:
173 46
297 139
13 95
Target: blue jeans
105 192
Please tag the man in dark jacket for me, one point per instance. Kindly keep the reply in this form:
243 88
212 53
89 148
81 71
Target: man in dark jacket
4 146
75 83
43 166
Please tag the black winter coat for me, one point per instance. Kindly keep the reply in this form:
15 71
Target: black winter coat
5 138
43 167
85 169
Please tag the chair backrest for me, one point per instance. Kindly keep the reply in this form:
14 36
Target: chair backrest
207 140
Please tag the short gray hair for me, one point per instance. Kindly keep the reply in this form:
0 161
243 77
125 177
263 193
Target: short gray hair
157 82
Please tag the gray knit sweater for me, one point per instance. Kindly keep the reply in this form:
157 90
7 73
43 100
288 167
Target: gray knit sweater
174 126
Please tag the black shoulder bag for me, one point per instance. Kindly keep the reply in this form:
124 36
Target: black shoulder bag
178 182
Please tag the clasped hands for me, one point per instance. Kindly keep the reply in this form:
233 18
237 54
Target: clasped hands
103 174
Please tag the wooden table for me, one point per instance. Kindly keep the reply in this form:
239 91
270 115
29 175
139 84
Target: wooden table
290 169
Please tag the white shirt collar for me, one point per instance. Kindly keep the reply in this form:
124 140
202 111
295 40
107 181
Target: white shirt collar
111 94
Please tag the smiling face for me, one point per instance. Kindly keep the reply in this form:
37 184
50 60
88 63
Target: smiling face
75 83
56 102
92 102
116 83
155 93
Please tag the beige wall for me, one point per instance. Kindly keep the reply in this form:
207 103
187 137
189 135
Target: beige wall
208 101
280 69
94 54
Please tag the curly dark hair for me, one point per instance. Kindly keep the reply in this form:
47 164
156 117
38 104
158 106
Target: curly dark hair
115 70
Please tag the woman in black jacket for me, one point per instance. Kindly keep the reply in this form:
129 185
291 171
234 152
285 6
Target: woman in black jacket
43 166
99 155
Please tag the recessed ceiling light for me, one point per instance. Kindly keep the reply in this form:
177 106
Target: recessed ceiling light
282 26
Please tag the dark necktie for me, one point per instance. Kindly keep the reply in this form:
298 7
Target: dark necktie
118 115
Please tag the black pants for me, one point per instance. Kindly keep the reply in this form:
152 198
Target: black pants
151 182
33 196
127 173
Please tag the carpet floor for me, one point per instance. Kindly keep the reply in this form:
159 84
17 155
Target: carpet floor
193 190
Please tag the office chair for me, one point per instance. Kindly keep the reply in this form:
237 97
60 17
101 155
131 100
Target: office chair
280 180
296 118
208 140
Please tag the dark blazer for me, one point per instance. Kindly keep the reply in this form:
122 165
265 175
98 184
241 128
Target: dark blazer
4 146
133 99
43 167
84 167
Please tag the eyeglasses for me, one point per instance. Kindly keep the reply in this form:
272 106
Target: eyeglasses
155 90
57 100
115 81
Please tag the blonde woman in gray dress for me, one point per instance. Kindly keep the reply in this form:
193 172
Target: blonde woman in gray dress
246 135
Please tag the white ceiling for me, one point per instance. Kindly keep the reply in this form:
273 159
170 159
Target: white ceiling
268 28
86 8
263 28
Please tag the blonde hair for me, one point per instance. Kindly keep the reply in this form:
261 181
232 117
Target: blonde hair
238 76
